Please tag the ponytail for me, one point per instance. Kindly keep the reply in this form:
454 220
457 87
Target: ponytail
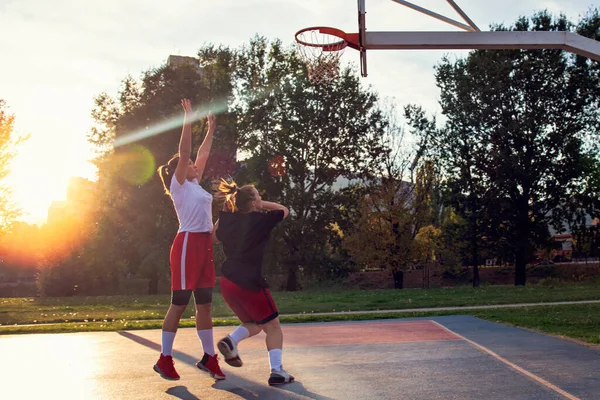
236 198
229 189
166 172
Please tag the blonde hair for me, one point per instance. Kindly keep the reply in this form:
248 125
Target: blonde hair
237 198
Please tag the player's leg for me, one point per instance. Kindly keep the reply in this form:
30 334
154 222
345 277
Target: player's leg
236 297
268 320
205 281
209 362
165 365
274 342
228 346
180 297
203 298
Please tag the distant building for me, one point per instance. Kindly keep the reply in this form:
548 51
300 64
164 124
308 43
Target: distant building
178 61
57 210
81 194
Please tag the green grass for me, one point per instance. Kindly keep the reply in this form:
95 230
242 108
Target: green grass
356 300
106 310
578 321
116 313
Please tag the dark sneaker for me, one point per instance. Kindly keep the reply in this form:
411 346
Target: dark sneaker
280 377
166 368
229 350
210 364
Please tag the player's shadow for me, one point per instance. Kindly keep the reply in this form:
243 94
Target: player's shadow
251 390
181 392
297 388
234 384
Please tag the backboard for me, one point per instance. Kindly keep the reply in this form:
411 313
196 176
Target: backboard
469 38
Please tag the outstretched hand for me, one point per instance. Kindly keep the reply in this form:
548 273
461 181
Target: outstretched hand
212 122
187 109
187 105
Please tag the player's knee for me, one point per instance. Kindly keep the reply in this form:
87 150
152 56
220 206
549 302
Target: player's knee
271 326
253 329
177 310
180 298
203 297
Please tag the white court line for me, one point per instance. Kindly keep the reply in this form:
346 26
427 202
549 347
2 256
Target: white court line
514 366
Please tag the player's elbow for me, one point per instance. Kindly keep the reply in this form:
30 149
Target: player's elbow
286 212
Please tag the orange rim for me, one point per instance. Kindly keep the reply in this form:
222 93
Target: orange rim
324 30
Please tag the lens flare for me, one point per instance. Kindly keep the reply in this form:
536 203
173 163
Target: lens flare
164 126
137 164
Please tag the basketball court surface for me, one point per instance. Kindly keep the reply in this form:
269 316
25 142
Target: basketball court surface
455 357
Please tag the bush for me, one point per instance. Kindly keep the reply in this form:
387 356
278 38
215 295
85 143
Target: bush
553 281
455 273
543 270
58 281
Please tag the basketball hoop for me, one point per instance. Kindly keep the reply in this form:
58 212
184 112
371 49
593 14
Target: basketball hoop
320 48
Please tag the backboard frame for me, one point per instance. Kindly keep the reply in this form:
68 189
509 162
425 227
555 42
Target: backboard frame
471 39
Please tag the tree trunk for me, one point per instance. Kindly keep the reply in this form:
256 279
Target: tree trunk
475 259
520 268
475 276
398 279
474 247
153 285
522 245
292 279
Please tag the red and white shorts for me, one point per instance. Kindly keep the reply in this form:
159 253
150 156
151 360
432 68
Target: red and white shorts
249 306
192 261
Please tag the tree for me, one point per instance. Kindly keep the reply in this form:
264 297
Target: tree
9 212
464 191
399 199
515 140
138 222
584 201
395 228
318 135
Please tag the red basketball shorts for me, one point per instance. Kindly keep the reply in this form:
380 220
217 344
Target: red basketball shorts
192 261
249 306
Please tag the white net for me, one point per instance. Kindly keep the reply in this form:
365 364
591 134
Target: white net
321 53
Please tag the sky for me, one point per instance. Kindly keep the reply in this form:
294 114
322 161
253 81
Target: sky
58 55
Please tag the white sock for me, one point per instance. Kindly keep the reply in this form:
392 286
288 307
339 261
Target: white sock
208 343
240 333
167 343
275 357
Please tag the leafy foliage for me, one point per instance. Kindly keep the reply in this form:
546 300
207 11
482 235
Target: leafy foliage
9 212
517 144
323 135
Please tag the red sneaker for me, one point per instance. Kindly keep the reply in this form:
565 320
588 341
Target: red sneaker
166 368
210 364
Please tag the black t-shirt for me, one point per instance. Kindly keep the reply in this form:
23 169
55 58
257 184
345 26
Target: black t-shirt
244 238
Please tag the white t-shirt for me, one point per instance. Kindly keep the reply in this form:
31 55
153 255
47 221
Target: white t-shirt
193 206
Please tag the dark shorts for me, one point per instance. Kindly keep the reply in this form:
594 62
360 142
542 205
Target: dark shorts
249 306
182 297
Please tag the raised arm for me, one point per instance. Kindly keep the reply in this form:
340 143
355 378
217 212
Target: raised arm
204 148
268 205
185 142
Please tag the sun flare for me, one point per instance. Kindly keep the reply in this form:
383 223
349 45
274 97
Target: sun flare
40 174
